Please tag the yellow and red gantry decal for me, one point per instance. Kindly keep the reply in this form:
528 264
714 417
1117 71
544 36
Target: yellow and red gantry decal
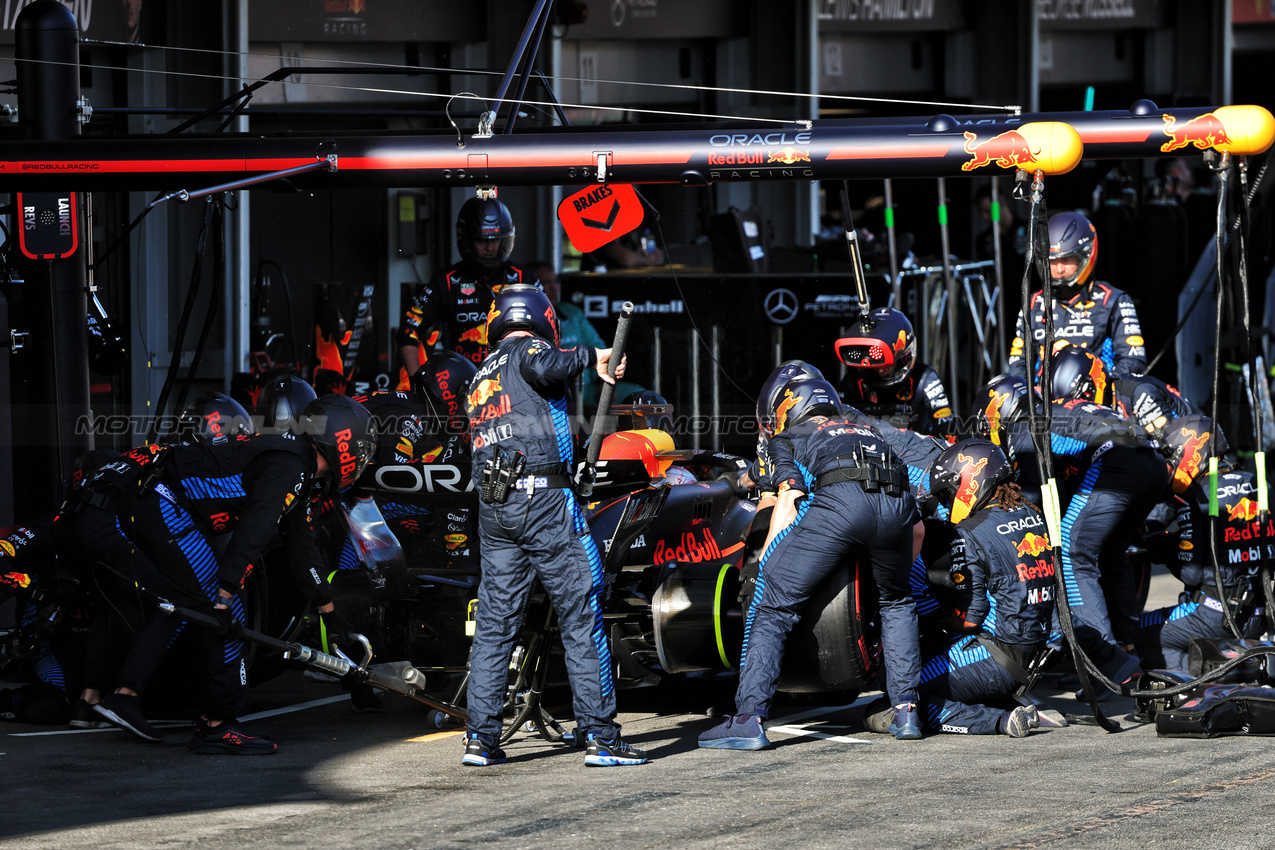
939 146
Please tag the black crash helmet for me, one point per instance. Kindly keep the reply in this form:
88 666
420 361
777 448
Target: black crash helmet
343 432
965 476
780 376
214 416
1001 405
801 399
443 382
1071 234
484 219
281 402
1190 444
1076 373
882 345
521 307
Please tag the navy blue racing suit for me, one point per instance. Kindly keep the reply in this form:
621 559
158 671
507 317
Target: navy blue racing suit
518 401
1115 478
160 518
1164 634
834 520
1151 403
1099 318
918 402
916 450
455 306
1004 558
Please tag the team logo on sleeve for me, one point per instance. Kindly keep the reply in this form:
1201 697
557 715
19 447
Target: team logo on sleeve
20 579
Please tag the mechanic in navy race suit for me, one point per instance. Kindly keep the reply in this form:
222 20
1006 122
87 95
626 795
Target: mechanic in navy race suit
841 489
916 450
997 553
1114 478
158 516
519 422
1164 634
452 313
1087 313
886 381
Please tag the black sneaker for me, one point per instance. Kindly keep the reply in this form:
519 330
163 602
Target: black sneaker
84 717
125 711
611 753
228 738
481 752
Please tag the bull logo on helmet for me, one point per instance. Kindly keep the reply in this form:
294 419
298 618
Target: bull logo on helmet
993 414
1192 457
967 492
902 342
1098 374
781 412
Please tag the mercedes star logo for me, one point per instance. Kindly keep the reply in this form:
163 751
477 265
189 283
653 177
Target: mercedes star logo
781 306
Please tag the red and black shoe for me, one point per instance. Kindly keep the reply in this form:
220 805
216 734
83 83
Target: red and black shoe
229 738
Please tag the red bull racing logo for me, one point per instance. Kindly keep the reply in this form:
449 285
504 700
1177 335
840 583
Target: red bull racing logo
1010 149
1246 510
788 156
483 392
1032 544
967 492
1204 131
902 342
20 579
476 335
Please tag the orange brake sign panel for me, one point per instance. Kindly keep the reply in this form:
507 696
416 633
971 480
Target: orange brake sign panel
594 216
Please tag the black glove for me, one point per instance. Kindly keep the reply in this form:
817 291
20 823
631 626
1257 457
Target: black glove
337 634
226 624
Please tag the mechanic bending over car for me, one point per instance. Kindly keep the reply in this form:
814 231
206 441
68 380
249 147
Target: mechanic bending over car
841 489
154 516
531 525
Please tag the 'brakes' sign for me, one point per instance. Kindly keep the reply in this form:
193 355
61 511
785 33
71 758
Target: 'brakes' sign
594 216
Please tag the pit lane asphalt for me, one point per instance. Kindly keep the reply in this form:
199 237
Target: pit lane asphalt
390 781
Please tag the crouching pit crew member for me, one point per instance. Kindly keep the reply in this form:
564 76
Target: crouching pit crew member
154 518
1001 553
1164 634
531 526
858 502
